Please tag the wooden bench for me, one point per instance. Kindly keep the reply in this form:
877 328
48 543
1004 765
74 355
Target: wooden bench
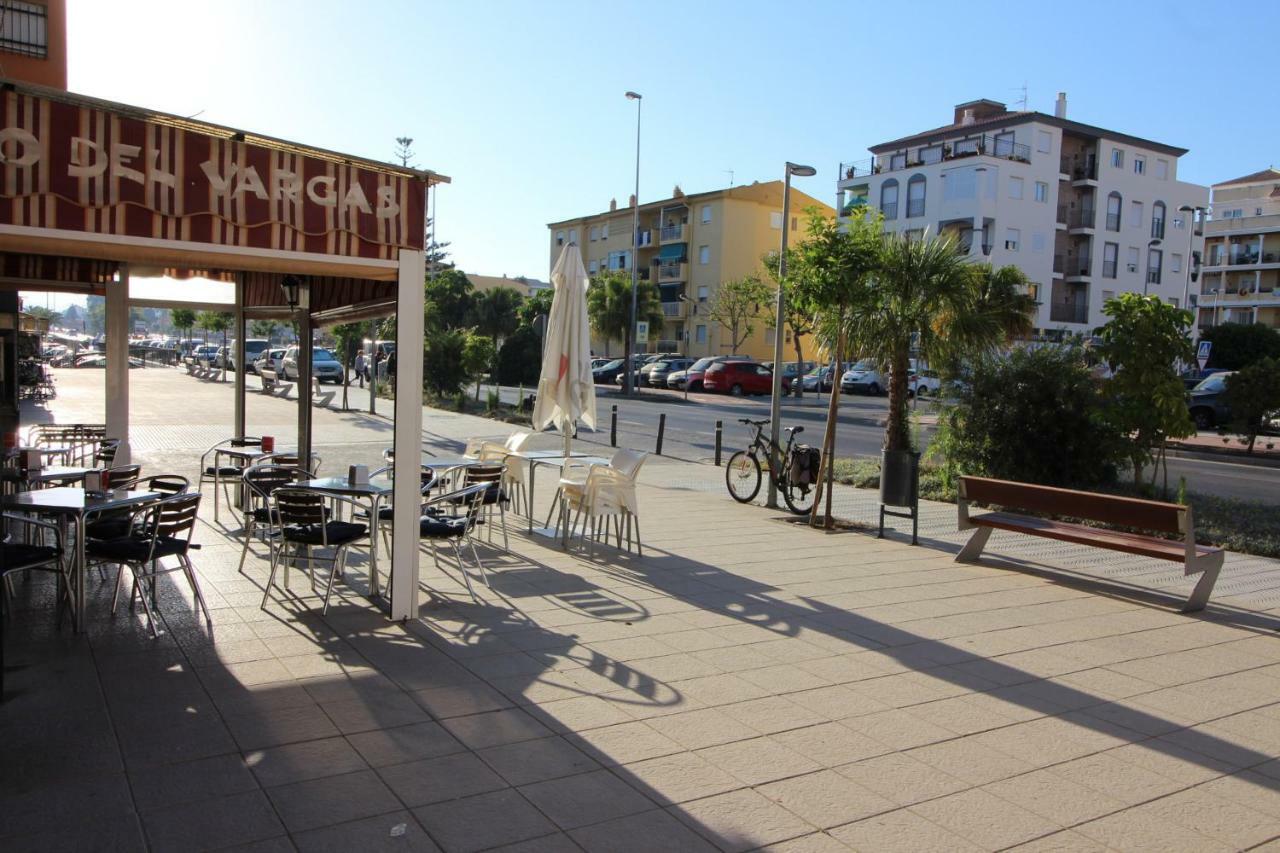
1154 516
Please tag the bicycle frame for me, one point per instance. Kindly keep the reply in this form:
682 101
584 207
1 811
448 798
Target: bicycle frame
774 455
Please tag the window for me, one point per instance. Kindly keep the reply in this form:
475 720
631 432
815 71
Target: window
1178 223
1133 259
604 231
1015 188
898 161
1113 211
1037 244
1033 290
704 255
965 146
573 235
1110 256
1108 294
1044 141
1042 191
888 199
1162 170
1012 236
1004 143
559 238
1139 164
619 260
1135 214
1154 259
932 154
915 196
1117 158
1157 220
700 334
775 220
591 268
706 214
703 292
1175 263
795 223
595 233
23 29
913 234
770 335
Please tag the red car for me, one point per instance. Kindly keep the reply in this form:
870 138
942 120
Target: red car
738 378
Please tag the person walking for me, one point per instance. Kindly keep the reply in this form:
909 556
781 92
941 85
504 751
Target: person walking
361 367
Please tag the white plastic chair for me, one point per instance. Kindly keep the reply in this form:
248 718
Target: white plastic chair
603 492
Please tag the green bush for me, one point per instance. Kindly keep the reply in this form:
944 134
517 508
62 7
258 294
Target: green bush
1252 393
1237 345
1036 416
443 363
520 359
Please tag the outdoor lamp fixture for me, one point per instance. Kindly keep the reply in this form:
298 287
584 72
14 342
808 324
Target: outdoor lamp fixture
291 284
779 321
1195 212
629 385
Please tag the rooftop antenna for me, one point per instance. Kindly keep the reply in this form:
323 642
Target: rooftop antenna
1023 99
729 172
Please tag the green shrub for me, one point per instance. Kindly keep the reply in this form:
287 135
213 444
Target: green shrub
443 363
1036 416
1237 345
520 359
1252 393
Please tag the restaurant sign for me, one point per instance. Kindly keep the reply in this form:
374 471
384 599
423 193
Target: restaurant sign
78 167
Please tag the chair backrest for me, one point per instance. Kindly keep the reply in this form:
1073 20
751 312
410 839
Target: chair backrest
124 476
247 441
628 462
516 441
166 484
483 474
105 455
291 460
262 480
298 506
1052 501
174 516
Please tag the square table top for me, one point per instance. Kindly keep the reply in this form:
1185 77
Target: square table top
48 474
451 462
548 454
343 486
69 500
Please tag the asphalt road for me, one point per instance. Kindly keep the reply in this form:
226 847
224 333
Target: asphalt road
690 433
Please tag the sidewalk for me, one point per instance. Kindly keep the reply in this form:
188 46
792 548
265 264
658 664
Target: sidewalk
746 684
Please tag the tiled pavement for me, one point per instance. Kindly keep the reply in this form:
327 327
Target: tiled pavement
747 684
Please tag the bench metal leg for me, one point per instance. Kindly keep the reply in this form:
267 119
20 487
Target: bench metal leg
973 548
1204 587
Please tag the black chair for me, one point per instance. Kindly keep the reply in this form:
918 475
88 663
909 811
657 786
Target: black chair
20 557
220 475
259 482
159 530
495 496
105 455
115 523
435 526
305 523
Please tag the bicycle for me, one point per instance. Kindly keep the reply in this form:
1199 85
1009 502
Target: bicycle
743 474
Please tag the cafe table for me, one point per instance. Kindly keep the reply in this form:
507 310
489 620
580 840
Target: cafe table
61 474
372 493
71 506
244 457
537 458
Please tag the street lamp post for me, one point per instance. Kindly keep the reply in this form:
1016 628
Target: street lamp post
779 320
629 387
1186 284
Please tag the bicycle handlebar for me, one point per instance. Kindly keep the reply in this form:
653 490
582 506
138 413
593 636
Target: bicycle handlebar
750 422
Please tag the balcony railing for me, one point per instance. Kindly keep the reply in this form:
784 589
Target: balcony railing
1059 263
1157 229
890 210
1087 171
672 232
923 155
673 309
915 207
1113 222
1069 312
1077 266
1082 218
1153 276
1063 215
1244 258
671 271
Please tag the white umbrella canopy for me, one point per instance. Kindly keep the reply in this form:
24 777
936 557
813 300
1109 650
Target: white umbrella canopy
566 392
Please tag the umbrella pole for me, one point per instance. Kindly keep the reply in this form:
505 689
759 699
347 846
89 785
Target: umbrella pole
567 429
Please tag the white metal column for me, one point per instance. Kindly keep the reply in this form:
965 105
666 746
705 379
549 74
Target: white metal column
239 352
117 372
408 436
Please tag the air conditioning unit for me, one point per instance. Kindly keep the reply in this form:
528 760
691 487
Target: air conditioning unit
1132 267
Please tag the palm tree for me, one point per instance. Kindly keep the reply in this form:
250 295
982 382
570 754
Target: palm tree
496 312
609 305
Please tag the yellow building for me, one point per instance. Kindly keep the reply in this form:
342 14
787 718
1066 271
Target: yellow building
688 245
521 284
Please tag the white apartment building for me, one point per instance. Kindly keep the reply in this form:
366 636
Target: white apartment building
1241 280
1085 212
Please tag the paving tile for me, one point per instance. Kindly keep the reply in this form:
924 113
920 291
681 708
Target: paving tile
1216 817
757 761
818 842
494 728
285 725
900 830
902 779
556 842
92 799
297 762
460 700
899 729
395 832
362 715
1055 797
211 824
203 779
116 832
404 743
701 728
678 778
585 799
537 760
826 798
484 821
985 819
741 820
831 744
625 743
1139 829
641 833
449 777
1121 780
578 714
970 761
333 799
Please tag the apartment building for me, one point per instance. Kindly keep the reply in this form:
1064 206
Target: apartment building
687 245
1241 279
33 41
1085 212
524 285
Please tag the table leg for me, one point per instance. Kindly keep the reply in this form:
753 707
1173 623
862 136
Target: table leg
533 470
375 521
78 576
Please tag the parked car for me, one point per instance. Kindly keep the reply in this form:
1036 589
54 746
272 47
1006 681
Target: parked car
660 370
692 375
206 352
819 378
738 378
608 374
1205 401
864 378
253 347
599 362
270 359
790 370
1194 377
324 367
926 383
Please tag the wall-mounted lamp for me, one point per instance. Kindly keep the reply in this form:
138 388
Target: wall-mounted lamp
291 284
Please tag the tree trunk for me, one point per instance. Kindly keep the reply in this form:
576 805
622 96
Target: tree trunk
797 384
896 435
826 470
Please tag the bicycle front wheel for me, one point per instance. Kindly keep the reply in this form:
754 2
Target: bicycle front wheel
742 476
799 498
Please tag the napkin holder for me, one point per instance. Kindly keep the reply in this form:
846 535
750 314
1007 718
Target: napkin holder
32 460
93 482
358 475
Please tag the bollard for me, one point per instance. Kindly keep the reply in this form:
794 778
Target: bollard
613 426
662 428
719 440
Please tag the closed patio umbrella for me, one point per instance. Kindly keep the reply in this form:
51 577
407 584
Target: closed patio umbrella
566 392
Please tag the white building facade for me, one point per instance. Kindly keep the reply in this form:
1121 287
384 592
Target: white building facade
1241 280
1086 213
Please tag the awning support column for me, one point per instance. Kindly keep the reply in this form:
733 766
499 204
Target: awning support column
408 436
117 371
241 367
304 376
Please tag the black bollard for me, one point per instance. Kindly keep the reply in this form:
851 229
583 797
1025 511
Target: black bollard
662 428
613 426
719 440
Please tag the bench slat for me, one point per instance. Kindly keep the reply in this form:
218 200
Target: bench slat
1114 540
1110 509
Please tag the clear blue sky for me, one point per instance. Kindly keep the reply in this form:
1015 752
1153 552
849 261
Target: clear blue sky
522 103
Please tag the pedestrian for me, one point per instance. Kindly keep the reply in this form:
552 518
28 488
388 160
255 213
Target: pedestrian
391 366
360 368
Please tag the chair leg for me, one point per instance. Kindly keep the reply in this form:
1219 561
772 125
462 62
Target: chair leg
190 572
484 576
554 504
334 570
249 528
639 546
146 604
271 579
115 596
502 514
457 553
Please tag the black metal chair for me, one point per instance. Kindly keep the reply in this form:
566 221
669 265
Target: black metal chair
495 495
456 528
305 523
159 530
105 455
220 475
20 557
115 523
292 460
259 482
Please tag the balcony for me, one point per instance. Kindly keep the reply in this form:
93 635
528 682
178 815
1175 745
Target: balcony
675 310
1082 218
1063 215
672 234
1077 267
1069 312
673 271
1153 276
937 152
1157 229
1244 258
646 238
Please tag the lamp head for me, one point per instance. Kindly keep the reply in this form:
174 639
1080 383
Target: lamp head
633 96
290 284
801 171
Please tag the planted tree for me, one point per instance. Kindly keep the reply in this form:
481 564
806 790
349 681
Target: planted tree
215 322
478 356
443 366
797 317
452 298
1143 343
536 305
183 320
738 305
609 305
1238 345
1253 394
495 313
263 328
349 338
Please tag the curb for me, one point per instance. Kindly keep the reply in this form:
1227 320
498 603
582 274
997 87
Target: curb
1213 454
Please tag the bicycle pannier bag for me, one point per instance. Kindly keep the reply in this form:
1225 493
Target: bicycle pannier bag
804 464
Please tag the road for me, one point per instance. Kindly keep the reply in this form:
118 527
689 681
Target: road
690 433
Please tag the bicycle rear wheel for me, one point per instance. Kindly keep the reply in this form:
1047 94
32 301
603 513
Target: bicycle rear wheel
798 497
742 476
